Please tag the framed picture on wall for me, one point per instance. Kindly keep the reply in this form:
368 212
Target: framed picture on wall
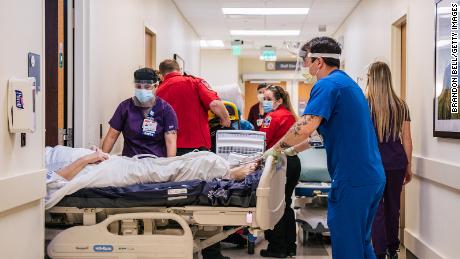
446 116
181 62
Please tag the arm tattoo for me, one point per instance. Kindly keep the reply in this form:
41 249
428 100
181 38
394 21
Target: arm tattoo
296 129
171 132
284 145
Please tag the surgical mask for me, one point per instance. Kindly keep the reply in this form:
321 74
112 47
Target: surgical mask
309 78
143 95
268 106
260 97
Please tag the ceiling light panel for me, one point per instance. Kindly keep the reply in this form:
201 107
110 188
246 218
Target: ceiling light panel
265 32
211 43
265 11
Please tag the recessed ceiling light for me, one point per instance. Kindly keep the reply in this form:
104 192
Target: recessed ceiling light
266 11
211 43
265 32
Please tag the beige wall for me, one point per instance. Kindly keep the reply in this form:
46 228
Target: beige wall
432 199
219 67
116 50
22 181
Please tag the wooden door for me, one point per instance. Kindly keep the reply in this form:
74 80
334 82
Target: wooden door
55 71
150 49
250 94
304 90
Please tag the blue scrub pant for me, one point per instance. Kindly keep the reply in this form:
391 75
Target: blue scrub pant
351 212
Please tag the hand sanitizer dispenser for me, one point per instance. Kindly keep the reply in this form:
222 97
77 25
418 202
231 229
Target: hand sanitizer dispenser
21 105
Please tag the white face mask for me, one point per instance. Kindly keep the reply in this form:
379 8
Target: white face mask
260 97
309 78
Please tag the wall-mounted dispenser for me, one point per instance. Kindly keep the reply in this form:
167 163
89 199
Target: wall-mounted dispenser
21 105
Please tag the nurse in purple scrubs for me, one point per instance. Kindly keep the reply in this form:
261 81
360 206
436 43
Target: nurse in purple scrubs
391 118
147 122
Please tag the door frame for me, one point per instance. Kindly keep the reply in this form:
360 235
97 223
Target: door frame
396 65
149 29
82 21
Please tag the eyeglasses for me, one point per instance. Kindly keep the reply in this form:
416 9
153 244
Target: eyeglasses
144 86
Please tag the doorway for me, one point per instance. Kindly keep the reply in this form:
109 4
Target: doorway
59 72
403 93
304 90
399 71
150 48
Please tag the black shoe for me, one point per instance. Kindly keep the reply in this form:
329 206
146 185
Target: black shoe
392 254
267 253
291 253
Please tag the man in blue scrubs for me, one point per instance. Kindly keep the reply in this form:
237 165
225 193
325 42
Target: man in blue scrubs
339 110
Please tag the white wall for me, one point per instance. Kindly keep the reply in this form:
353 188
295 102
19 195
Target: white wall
115 49
432 199
219 67
22 184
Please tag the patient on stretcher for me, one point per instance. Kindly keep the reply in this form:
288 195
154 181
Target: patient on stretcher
71 169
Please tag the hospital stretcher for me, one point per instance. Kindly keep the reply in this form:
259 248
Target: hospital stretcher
173 230
311 193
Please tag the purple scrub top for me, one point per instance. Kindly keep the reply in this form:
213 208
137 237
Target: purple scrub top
129 118
392 152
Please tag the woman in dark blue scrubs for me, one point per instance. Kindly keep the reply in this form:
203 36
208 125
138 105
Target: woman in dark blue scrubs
339 110
391 119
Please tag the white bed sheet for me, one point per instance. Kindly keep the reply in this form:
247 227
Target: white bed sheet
122 171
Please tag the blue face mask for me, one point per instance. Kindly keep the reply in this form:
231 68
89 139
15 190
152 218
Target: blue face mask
268 106
143 95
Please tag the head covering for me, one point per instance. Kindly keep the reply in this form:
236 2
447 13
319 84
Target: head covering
145 75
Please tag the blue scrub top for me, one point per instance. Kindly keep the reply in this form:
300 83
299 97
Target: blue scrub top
347 130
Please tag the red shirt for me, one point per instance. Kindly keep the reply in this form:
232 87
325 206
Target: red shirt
276 124
190 98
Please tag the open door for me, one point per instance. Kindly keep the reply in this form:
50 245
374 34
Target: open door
150 48
59 72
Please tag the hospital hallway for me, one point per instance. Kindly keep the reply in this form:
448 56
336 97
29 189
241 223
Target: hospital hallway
226 129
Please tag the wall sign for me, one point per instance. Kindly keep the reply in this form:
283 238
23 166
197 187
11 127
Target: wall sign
280 65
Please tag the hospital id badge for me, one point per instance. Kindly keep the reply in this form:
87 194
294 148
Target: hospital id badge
149 127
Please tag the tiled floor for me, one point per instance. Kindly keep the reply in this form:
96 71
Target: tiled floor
317 249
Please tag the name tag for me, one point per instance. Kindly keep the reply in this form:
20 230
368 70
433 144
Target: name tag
149 127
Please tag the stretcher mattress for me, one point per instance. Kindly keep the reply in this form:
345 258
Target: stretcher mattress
314 175
217 192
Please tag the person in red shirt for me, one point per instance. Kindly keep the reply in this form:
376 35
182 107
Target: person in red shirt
256 113
191 98
278 120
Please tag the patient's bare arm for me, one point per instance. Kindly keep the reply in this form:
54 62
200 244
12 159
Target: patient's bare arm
74 168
